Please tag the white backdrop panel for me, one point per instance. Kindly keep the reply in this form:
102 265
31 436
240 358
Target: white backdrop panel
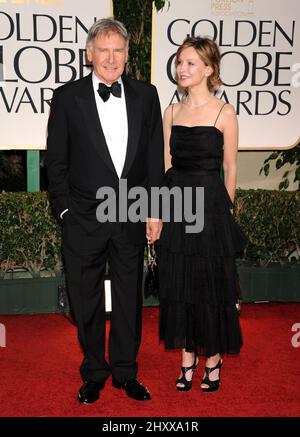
260 69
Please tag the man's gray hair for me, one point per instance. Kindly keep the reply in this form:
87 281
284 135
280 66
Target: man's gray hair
105 26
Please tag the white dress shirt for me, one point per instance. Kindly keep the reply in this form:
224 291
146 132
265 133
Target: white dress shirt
113 118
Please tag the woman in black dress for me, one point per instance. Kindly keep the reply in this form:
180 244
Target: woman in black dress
197 270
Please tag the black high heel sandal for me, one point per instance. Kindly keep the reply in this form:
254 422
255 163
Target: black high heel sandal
212 385
186 385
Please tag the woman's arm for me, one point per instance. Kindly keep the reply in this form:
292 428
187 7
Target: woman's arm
230 130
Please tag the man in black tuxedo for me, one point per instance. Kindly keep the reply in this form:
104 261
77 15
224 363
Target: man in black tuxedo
103 128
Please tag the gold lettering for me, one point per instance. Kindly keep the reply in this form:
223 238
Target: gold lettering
20 1
58 3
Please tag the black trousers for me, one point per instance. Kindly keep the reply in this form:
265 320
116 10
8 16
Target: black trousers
85 257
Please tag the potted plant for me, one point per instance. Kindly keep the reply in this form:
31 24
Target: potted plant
270 268
30 254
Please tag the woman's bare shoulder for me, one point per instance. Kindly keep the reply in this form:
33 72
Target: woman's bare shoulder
171 110
227 108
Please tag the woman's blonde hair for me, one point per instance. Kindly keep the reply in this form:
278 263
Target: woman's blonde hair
209 52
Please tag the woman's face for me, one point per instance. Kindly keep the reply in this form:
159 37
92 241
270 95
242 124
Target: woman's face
190 69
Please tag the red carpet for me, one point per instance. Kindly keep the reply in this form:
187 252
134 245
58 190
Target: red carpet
39 371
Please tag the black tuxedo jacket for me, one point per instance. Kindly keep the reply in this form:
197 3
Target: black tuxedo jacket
78 160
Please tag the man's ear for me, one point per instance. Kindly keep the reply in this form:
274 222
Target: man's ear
89 54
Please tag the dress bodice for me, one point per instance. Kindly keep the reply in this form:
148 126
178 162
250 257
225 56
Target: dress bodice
196 148
197 157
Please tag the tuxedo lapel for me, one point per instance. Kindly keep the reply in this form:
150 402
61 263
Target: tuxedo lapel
87 104
134 116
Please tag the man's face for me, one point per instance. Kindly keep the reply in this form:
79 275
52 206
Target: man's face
108 53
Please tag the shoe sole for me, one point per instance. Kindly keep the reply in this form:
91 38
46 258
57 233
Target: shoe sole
208 390
84 402
120 387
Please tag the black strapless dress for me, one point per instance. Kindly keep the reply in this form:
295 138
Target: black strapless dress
198 277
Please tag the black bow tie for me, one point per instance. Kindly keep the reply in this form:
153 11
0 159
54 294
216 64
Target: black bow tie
104 90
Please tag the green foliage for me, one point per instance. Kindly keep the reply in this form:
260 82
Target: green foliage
137 18
282 158
31 238
11 170
270 219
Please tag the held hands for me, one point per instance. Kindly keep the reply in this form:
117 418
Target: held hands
153 229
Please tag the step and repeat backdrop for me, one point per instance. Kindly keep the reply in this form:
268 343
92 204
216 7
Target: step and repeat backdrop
42 46
260 45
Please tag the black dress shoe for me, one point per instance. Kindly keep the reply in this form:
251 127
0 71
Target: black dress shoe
133 389
89 392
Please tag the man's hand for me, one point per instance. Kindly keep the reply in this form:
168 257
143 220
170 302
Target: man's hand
153 229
